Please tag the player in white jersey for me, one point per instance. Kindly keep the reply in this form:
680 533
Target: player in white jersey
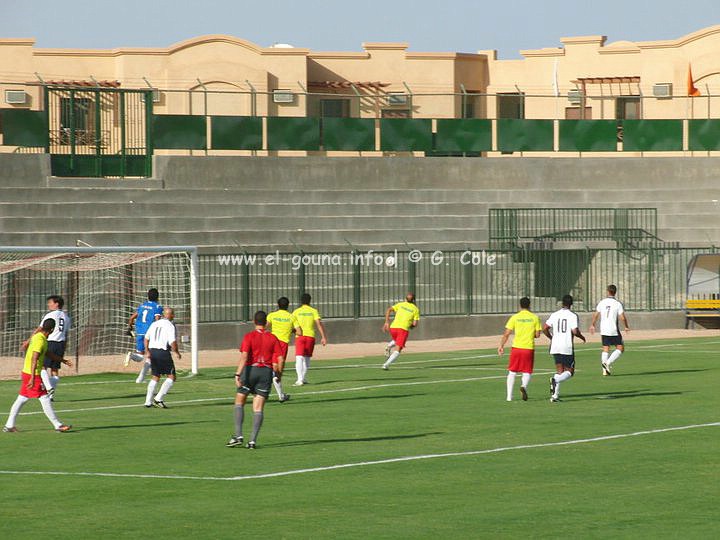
57 339
160 345
562 327
610 311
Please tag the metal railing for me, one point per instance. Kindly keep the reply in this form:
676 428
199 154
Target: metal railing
362 284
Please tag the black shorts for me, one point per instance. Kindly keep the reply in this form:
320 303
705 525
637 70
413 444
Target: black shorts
58 349
161 363
566 360
607 341
256 380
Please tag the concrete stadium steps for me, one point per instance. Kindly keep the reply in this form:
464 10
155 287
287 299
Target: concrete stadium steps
259 204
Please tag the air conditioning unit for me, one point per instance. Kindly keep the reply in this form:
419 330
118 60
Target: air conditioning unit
156 95
283 96
575 97
15 97
396 100
662 90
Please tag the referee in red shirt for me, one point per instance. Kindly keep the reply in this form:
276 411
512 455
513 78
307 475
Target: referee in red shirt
260 359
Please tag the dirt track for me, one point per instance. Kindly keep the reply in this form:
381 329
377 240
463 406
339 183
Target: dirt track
10 367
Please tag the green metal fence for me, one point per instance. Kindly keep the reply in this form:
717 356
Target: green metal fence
627 227
363 284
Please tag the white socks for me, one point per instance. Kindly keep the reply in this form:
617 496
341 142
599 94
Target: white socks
278 387
391 359
510 384
143 372
164 389
604 357
150 391
15 410
49 412
614 356
54 380
391 343
45 376
560 377
302 364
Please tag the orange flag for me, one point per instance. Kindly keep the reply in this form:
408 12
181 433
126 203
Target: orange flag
692 89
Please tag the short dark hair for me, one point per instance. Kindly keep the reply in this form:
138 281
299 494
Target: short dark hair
48 325
283 302
59 300
153 295
567 300
260 318
305 298
525 302
612 289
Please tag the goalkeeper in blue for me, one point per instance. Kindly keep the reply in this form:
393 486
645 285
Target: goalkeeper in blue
147 313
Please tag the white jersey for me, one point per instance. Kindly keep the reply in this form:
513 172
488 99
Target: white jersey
609 309
62 324
562 322
161 334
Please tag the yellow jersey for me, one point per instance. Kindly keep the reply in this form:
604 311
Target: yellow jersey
524 324
406 313
38 344
282 323
306 317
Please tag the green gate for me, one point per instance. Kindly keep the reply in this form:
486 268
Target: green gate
99 131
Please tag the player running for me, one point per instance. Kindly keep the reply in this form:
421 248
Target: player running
609 311
282 323
260 357
526 326
55 355
407 315
308 318
147 313
160 344
32 386
561 327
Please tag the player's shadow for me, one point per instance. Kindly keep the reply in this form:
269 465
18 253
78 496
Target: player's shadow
668 372
148 425
625 395
317 401
354 439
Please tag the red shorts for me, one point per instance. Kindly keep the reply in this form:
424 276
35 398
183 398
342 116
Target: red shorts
399 337
37 390
521 360
283 349
304 346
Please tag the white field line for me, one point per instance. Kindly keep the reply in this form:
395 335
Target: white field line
311 393
356 464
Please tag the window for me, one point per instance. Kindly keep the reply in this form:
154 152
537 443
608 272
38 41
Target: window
576 113
82 113
627 108
335 108
511 106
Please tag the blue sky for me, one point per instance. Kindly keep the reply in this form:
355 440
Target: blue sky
460 25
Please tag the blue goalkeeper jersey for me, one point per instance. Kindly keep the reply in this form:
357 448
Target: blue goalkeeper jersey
146 314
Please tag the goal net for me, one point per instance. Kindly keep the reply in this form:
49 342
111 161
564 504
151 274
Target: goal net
102 288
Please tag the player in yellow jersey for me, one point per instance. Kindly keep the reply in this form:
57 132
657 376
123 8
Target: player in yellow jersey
32 386
407 316
308 318
282 323
526 327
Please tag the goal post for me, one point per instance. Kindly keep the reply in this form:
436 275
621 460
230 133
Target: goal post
102 287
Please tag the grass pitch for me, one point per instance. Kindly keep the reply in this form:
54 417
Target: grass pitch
485 468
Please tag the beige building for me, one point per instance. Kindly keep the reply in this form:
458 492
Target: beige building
386 79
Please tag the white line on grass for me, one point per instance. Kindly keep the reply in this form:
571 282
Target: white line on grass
351 465
311 393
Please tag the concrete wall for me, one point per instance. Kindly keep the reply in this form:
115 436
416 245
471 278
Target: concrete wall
219 336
